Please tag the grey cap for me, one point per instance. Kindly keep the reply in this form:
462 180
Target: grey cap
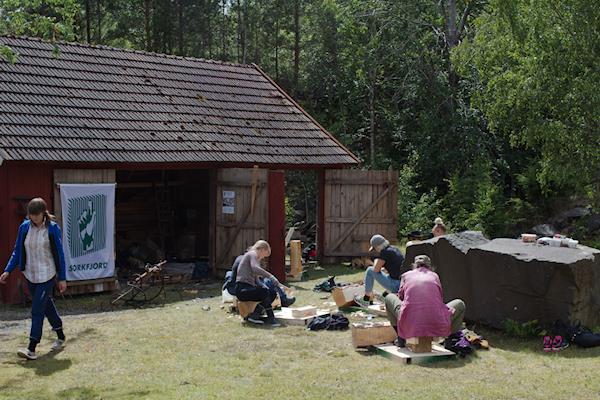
376 240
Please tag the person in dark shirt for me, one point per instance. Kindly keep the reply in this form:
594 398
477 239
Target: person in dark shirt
385 270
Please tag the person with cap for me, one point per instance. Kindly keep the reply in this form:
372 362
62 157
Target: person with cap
419 310
385 269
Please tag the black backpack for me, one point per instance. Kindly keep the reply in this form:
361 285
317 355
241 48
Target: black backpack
577 334
333 322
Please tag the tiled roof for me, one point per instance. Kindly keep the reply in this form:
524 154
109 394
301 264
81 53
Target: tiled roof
99 104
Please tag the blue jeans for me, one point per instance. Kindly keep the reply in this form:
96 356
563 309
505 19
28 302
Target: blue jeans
390 284
42 306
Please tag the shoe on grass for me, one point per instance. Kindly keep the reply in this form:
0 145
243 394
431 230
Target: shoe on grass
361 301
255 320
26 353
57 345
273 323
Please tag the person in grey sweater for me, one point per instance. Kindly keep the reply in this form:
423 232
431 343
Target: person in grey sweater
248 287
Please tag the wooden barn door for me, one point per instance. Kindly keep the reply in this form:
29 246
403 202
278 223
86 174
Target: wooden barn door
241 213
358 204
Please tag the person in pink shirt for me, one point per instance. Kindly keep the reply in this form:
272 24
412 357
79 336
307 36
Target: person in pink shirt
418 309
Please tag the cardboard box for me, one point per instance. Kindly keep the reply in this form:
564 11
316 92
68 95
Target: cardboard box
420 344
344 296
366 334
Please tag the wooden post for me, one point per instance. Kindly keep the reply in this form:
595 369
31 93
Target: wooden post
321 216
295 258
276 220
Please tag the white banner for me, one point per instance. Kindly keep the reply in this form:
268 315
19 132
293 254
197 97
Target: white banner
88 217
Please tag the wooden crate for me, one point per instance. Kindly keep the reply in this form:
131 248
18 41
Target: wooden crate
245 308
306 311
366 334
344 296
91 286
419 344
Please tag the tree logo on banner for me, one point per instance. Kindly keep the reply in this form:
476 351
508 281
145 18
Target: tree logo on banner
86 229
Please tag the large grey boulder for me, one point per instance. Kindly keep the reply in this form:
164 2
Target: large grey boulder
507 279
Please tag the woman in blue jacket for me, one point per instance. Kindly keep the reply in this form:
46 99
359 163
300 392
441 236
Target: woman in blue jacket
39 255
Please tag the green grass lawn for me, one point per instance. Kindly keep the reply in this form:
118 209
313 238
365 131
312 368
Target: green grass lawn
181 351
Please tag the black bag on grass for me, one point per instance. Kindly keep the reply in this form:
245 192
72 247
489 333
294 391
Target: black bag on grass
333 322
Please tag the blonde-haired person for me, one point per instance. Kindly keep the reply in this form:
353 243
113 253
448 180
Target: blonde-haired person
418 309
439 229
39 254
248 287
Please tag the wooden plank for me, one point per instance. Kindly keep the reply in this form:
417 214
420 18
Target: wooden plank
285 315
406 356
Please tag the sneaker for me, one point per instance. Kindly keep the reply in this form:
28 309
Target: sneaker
399 342
255 319
288 302
273 323
26 353
547 342
361 301
57 345
558 343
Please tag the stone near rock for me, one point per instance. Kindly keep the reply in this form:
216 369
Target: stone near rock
507 279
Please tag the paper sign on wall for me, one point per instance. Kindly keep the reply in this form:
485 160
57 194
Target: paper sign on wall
228 202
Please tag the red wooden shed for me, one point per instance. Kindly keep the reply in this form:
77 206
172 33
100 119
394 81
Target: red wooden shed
174 133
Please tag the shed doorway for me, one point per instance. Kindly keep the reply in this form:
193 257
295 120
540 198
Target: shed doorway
162 214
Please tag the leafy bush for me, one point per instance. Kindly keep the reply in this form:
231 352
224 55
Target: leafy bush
522 329
415 211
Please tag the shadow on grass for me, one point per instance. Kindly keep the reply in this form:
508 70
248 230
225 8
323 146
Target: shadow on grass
46 364
101 302
80 393
331 270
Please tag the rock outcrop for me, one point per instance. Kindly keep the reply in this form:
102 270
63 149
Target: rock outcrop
507 279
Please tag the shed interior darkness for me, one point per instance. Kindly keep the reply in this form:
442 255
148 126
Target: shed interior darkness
162 213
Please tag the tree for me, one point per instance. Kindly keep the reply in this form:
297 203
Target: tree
536 62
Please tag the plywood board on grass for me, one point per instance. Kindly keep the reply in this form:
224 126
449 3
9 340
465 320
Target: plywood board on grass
285 315
406 356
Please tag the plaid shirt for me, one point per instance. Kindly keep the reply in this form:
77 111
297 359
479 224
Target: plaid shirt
40 264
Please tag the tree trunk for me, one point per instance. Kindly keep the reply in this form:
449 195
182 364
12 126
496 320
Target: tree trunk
180 43
372 118
245 33
277 50
372 88
296 44
239 32
210 36
452 36
99 23
147 22
224 33
88 21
